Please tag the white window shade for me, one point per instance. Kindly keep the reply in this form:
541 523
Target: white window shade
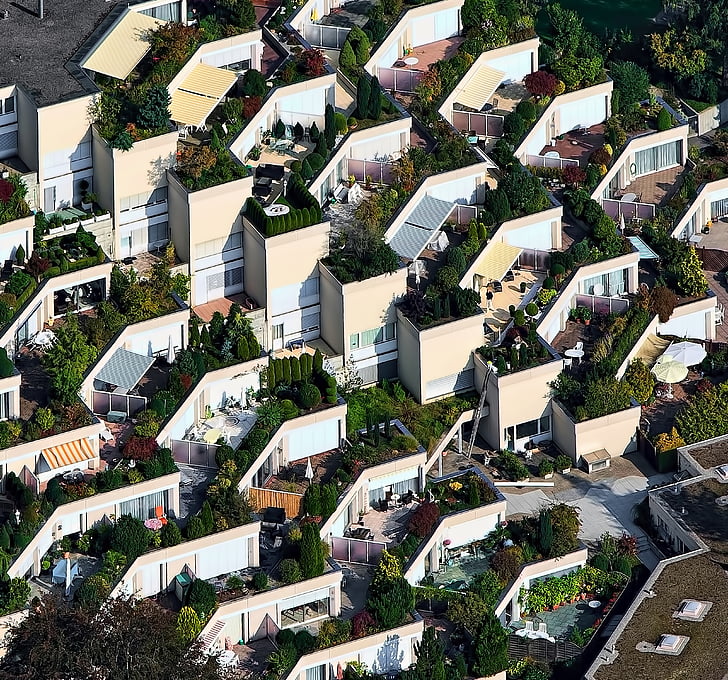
305 598
393 478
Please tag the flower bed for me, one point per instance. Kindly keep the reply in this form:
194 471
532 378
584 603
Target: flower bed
461 492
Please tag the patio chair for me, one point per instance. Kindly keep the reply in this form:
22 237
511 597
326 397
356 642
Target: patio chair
529 626
510 276
579 346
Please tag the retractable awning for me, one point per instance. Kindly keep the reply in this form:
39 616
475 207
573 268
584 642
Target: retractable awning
497 260
125 369
420 227
71 453
479 89
119 52
200 92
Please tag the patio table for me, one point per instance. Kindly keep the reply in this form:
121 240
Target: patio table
227 658
629 198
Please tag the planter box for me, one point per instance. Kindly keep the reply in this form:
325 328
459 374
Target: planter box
57 230
88 207
85 223
549 475
101 218
565 471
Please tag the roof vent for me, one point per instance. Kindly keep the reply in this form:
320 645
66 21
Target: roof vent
692 610
669 644
721 472
4 14
721 501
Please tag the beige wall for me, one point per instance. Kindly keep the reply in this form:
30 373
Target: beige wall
358 306
62 126
282 260
626 158
254 608
514 398
701 206
437 352
81 515
27 129
400 33
530 45
168 562
615 432
549 123
200 216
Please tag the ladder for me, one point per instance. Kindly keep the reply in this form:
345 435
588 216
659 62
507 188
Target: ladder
479 410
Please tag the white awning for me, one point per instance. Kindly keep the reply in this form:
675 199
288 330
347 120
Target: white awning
200 92
479 89
118 53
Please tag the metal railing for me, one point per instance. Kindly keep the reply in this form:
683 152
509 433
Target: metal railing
400 79
549 162
601 304
482 124
630 209
356 550
462 214
379 171
329 37
196 454
103 402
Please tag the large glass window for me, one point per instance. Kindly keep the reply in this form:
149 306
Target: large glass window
611 283
373 336
657 158
310 611
168 12
144 507
316 673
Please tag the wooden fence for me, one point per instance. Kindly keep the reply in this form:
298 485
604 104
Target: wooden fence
270 498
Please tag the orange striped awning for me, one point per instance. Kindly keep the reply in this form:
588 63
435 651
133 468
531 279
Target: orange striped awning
68 454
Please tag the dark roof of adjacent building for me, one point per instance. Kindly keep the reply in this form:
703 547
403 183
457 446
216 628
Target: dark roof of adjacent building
704 656
40 55
702 507
709 454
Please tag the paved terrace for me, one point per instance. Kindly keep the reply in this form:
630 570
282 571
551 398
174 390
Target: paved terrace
578 146
499 317
429 53
656 188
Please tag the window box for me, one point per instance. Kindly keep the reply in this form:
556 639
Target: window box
102 217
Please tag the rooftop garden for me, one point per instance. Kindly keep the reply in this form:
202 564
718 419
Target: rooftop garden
426 422
591 390
304 210
13 205
201 167
138 108
441 303
521 349
461 491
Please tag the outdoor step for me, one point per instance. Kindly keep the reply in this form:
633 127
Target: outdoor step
214 632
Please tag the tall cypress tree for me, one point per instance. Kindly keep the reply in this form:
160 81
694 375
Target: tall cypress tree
363 94
330 126
375 100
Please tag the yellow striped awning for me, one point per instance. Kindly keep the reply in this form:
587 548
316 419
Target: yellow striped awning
209 81
200 92
478 89
118 53
68 454
497 260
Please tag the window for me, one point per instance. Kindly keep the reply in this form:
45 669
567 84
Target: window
310 287
233 277
243 65
310 322
215 281
278 331
5 412
83 150
306 612
219 245
234 241
657 158
718 209
169 12
158 233
143 508
611 283
7 105
146 198
373 336
316 673
532 428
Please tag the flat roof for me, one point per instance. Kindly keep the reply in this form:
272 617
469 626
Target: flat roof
697 506
709 454
36 52
694 578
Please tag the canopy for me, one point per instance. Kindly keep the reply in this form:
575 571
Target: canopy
688 353
200 92
420 227
59 571
497 260
646 253
63 455
477 90
118 53
125 369
668 370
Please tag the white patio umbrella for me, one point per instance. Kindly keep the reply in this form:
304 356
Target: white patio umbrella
68 574
667 370
622 226
688 353
170 351
309 471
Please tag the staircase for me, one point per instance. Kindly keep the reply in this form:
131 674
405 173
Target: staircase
479 411
210 636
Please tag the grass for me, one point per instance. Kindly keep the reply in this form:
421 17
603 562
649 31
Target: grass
600 15
696 105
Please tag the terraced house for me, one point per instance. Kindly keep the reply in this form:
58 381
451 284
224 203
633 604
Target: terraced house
318 320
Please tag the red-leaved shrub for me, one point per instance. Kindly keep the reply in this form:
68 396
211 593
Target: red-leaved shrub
423 519
363 624
6 190
140 448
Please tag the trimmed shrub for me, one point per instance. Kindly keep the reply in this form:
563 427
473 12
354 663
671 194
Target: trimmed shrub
527 110
201 598
309 395
423 519
291 571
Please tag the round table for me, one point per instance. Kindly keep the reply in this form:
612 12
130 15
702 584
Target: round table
211 436
552 154
574 353
411 61
595 604
629 198
276 209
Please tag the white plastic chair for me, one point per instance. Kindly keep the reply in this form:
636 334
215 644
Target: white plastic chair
579 346
719 314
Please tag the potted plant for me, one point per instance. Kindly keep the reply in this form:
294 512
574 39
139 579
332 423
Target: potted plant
87 219
88 200
546 469
523 286
100 215
45 565
563 464
586 315
254 154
